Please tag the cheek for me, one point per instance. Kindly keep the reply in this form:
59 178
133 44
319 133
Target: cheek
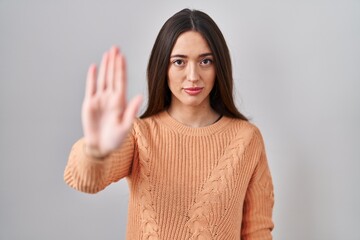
171 81
211 76
173 77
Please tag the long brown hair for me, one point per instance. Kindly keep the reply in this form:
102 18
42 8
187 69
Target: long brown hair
221 96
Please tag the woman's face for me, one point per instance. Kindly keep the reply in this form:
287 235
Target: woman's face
191 73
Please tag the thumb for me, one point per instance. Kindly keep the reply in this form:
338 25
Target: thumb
131 110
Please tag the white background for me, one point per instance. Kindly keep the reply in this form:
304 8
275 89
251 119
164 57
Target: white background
297 73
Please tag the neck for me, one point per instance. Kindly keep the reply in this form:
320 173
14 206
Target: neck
194 117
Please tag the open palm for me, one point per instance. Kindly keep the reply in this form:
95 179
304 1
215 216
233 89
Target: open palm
106 116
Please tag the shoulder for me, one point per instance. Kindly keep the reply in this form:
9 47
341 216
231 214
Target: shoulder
246 131
244 126
145 126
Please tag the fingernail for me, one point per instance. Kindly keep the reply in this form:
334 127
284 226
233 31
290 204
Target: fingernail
115 48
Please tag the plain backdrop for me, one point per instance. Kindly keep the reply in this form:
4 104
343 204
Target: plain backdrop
297 74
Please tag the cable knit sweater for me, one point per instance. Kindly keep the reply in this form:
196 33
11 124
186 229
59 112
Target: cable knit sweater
211 182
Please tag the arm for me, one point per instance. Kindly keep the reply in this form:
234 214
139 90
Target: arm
91 175
95 161
259 201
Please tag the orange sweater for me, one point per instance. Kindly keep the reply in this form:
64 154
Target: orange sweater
186 183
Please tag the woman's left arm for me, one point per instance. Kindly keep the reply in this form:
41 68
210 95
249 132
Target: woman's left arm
257 220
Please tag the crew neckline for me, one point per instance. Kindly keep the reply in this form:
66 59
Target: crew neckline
175 125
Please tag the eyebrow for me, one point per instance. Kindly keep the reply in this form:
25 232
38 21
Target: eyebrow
184 56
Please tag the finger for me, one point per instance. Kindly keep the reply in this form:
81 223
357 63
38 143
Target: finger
120 78
111 68
131 110
117 72
91 81
101 83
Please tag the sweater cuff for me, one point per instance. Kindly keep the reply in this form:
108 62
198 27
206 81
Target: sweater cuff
86 159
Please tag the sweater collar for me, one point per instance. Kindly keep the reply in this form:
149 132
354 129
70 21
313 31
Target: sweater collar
173 124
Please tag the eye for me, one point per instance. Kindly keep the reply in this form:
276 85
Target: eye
206 61
178 62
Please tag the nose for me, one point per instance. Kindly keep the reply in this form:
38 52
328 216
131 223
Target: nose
192 72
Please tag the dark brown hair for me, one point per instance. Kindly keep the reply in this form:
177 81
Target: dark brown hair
159 94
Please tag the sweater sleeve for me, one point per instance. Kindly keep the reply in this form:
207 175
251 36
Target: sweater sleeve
92 175
259 201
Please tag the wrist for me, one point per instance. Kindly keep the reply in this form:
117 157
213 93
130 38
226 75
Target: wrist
94 152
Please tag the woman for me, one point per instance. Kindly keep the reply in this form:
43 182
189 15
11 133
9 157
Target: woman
196 167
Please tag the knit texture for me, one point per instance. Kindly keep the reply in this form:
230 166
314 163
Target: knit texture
211 182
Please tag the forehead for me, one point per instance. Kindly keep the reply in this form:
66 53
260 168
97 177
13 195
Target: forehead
190 43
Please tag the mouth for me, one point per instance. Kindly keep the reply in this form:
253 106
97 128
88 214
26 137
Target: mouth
193 90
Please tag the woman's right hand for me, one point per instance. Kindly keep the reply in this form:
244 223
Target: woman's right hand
106 117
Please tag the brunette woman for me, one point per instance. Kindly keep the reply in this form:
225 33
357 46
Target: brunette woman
196 167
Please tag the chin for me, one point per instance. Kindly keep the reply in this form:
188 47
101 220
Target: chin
194 102
190 101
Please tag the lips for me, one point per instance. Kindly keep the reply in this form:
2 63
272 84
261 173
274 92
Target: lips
193 90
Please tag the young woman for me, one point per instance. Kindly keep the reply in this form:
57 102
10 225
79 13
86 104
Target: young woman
196 167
